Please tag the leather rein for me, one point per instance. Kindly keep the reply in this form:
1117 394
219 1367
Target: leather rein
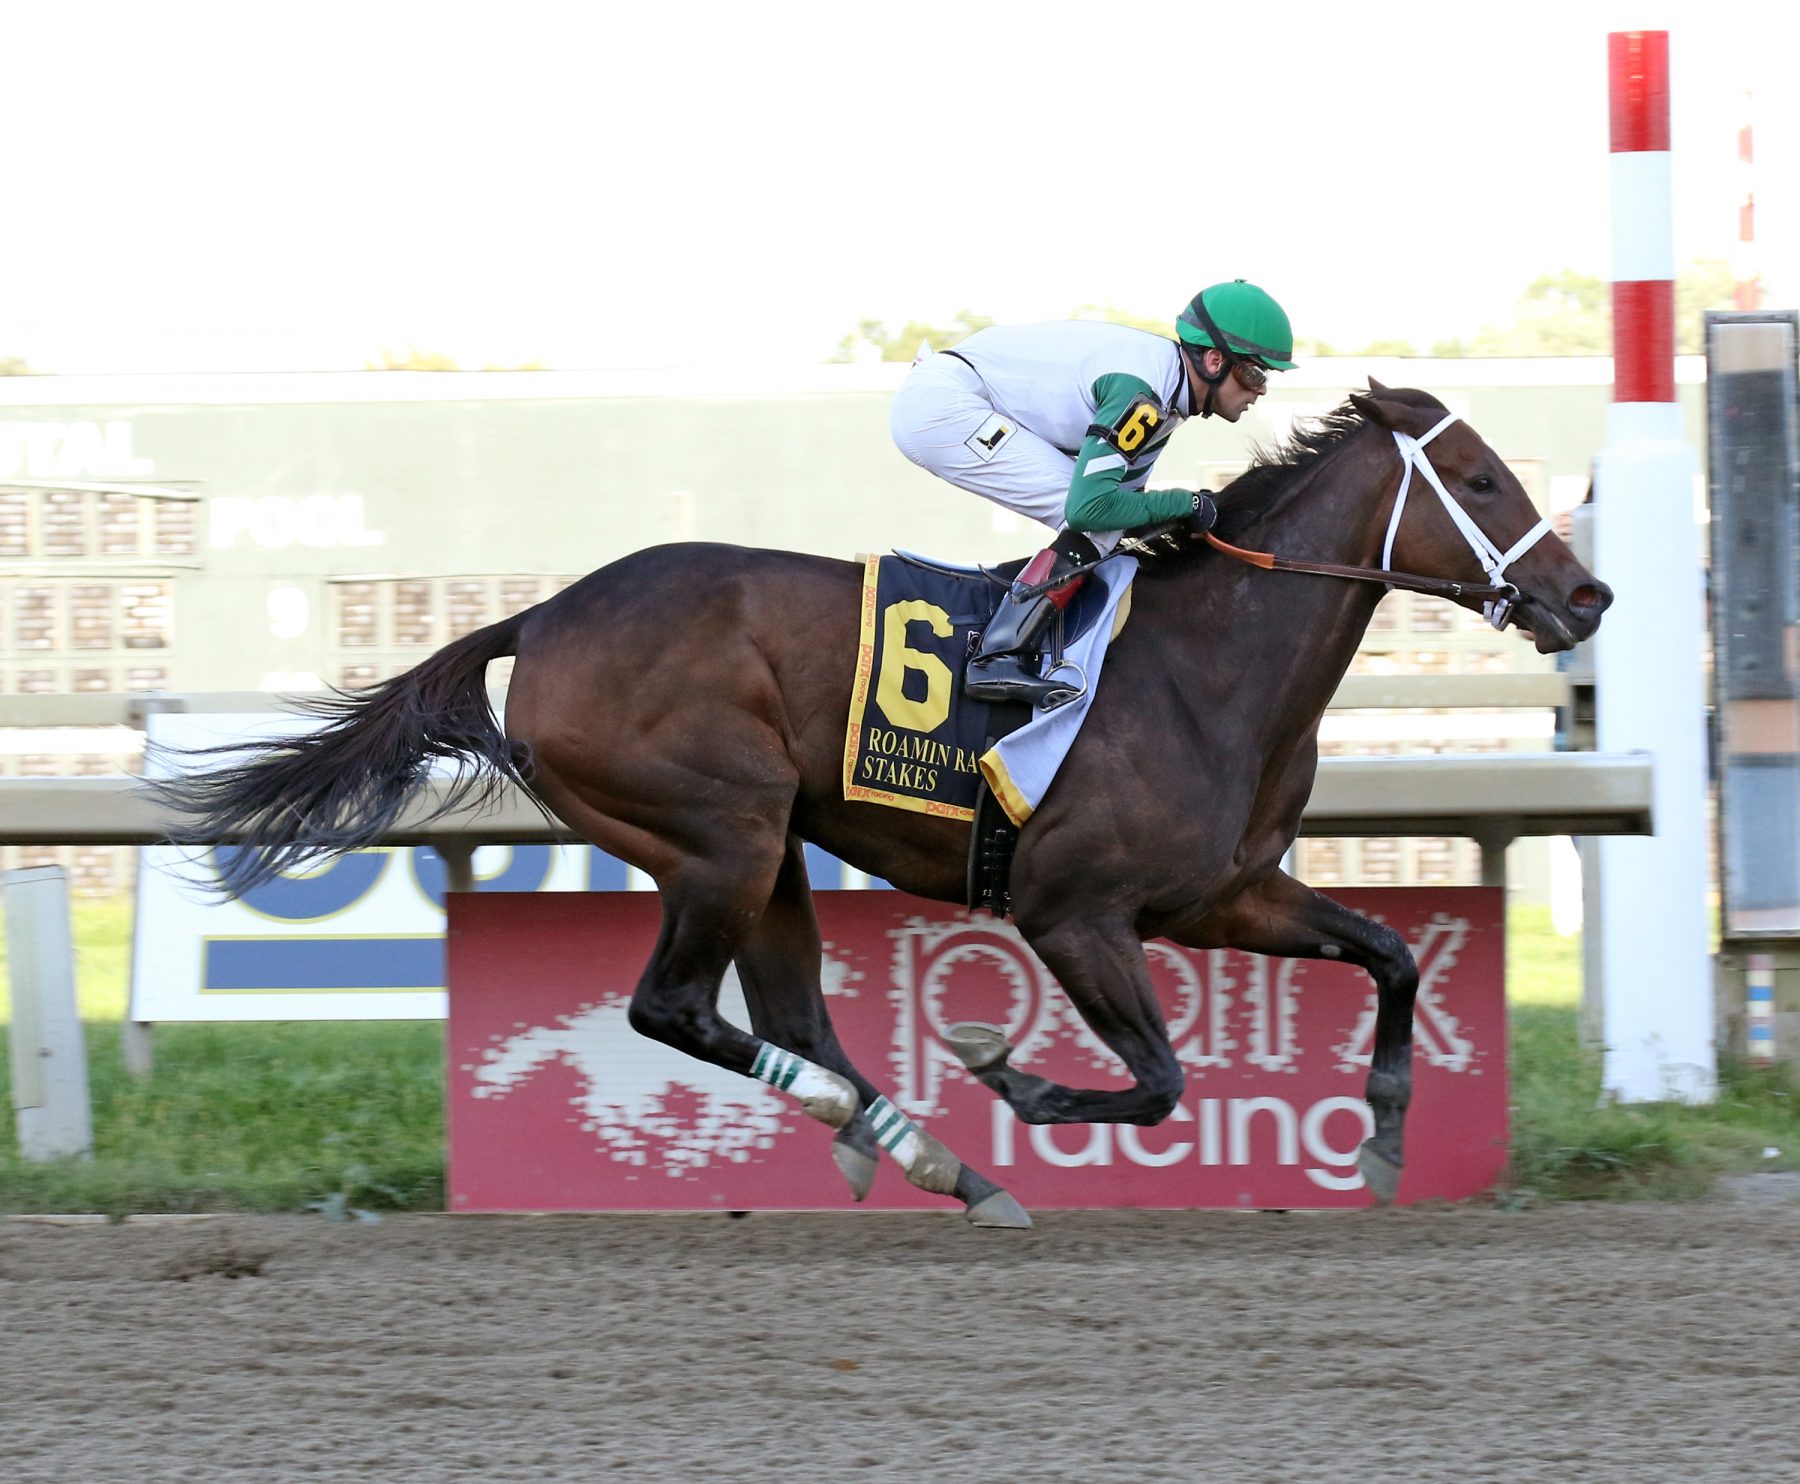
1437 587
1498 596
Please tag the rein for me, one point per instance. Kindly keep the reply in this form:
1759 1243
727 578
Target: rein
1437 587
1499 596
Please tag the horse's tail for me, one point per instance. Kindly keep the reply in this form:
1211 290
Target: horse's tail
293 800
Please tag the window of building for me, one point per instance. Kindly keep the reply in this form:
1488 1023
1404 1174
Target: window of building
40 617
15 534
112 523
413 613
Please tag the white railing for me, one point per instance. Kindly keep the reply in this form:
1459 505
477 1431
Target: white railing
1491 798
1541 689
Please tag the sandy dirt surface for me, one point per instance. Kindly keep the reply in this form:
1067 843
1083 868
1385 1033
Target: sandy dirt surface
1638 1342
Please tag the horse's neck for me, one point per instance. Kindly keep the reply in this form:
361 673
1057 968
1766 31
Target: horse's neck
1292 636
1336 511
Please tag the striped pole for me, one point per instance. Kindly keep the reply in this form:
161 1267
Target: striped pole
1643 231
1747 293
1656 968
1759 1009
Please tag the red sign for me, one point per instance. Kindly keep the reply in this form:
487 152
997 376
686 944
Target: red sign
556 1104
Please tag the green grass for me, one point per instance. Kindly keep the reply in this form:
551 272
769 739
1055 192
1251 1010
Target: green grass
256 1117
296 1115
1567 1144
1542 966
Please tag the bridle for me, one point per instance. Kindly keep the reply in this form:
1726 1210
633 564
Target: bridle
1499 596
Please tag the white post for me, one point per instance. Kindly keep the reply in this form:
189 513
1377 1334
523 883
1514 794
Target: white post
1650 690
49 1056
137 1046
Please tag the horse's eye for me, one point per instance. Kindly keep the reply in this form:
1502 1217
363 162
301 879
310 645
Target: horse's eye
1481 484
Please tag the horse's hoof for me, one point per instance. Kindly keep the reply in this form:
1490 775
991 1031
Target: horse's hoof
978 1046
857 1168
1001 1210
1380 1174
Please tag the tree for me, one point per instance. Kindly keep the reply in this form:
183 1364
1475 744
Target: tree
1570 314
413 360
903 344
1124 317
432 360
1708 283
13 366
1559 314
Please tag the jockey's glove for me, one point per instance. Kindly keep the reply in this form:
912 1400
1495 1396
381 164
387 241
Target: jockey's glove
1204 515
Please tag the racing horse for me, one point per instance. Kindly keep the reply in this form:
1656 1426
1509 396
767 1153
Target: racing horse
684 709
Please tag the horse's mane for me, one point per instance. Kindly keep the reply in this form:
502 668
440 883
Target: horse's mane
1277 470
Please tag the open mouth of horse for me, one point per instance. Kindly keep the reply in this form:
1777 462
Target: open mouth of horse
1551 630
1563 624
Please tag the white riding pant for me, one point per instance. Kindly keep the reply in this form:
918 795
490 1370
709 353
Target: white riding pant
942 420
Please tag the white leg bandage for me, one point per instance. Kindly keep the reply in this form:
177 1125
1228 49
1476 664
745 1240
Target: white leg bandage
825 1095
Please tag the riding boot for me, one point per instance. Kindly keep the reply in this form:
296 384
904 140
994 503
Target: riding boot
1004 668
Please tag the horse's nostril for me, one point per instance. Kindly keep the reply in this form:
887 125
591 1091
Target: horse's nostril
1591 597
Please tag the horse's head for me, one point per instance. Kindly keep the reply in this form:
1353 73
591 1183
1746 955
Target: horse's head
1465 516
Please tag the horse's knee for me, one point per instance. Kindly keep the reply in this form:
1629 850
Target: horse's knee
1390 960
1162 1092
673 1022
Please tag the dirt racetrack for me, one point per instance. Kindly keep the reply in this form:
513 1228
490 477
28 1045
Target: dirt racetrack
1636 1342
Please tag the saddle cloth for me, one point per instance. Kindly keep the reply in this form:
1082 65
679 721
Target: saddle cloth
914 741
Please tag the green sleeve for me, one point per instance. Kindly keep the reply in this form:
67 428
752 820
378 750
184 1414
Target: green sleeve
1096 503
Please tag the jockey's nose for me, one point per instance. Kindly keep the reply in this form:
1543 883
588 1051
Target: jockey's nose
1591 599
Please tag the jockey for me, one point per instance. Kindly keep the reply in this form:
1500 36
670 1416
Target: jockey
1061 422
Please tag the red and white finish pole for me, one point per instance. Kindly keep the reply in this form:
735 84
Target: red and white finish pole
1643 236
1747 292
1656 967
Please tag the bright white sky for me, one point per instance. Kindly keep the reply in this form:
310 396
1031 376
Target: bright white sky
276 186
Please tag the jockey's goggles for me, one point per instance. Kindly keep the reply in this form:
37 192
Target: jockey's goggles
1252 376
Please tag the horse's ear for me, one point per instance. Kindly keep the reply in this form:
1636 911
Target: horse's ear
1373 405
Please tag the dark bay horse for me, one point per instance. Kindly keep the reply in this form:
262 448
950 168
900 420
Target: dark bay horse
684 709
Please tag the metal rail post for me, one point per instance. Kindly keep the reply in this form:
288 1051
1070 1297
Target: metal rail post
49 1055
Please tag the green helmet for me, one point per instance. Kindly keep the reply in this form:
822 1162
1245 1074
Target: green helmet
1253 325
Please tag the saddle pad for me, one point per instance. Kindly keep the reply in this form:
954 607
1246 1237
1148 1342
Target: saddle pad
914 741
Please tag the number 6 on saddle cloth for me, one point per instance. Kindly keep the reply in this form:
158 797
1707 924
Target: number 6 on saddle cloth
915 741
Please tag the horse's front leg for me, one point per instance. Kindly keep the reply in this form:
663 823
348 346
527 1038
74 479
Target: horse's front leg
1285 918
1101 967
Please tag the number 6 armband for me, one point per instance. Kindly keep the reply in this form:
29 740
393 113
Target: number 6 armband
1142 416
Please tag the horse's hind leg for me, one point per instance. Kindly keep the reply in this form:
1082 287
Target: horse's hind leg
1101 967
707 915
778 965
701 802
1285 918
